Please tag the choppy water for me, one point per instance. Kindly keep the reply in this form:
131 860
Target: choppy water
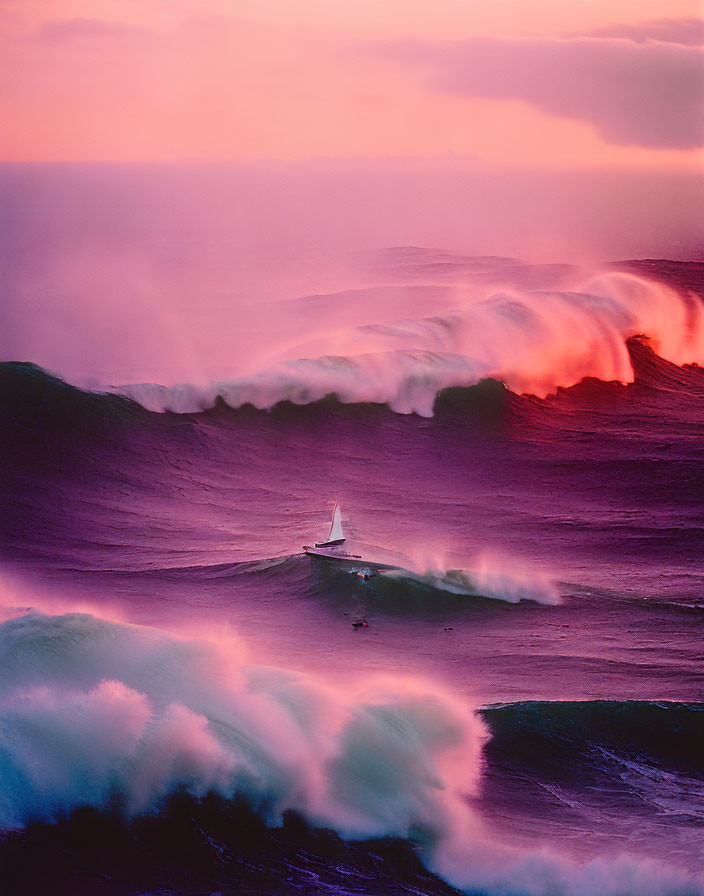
526 704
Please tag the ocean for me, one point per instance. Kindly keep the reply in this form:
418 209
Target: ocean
186 705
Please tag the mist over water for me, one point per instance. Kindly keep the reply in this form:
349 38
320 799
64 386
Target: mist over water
197 274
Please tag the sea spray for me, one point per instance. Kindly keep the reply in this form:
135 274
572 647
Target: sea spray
488 576
534 341
90 707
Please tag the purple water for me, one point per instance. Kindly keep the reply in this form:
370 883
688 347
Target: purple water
548 620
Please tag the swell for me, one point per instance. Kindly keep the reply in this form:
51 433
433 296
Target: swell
96 481
31 395
572 736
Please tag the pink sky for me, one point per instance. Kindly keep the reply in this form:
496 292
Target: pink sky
544 83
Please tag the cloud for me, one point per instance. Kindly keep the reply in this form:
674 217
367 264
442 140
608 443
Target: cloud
634 94
689 32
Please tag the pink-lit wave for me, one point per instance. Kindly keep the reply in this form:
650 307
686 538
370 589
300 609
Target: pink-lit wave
534 341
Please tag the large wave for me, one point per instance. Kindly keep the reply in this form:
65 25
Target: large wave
90 706
91 709
534 341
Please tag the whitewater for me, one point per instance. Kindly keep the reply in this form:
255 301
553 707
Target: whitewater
533 341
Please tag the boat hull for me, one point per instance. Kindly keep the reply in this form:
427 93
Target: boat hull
332 553
345 558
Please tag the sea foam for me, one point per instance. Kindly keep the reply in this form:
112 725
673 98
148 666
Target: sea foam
91 708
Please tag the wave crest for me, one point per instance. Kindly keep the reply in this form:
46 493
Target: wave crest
90 708
490 579
534 341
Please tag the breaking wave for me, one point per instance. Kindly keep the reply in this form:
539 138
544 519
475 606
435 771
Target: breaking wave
489 579
532 341
93 710
90 707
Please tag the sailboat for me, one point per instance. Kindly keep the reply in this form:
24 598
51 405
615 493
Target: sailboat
332 546
335 536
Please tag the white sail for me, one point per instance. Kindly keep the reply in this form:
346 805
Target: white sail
336 533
